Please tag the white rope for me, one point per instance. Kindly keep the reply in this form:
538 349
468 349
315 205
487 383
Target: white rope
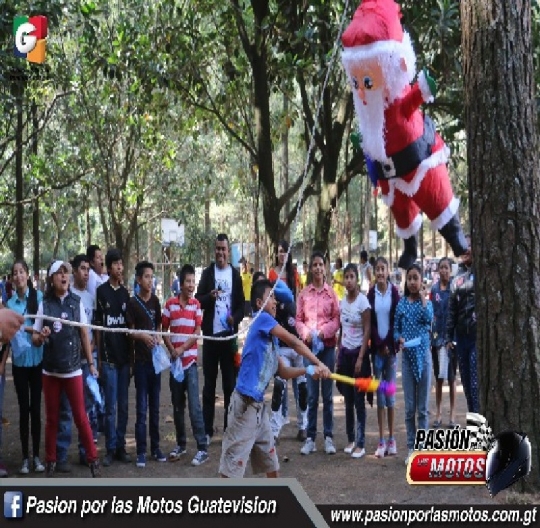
123 330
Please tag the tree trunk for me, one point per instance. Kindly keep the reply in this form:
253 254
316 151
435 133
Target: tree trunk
367 216
390 239
56 244
19 176
35 203
103 217
88 222
285 160
348 227
505 199
207 225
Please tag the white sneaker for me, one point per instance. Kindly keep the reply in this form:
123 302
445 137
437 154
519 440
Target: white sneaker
200 458
358 453
411 453
349 448
308 447
25 468
38 466
381 449
391 448
329 447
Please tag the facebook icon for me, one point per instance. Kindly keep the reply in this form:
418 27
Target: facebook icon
13 505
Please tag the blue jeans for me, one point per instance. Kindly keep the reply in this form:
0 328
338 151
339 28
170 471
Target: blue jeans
416 394
190 385
354 400
115 382
63 438
328 357
147 389
468 369
384 369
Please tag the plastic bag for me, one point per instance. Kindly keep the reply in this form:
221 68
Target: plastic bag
20 344
224 323
443 363
160 359
177 370
93 385
317 345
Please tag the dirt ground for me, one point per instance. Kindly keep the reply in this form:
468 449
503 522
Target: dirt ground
327 479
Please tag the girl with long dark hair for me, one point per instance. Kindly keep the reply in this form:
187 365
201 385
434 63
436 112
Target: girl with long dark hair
26 366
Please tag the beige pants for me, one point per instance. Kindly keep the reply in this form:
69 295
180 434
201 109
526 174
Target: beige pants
248 436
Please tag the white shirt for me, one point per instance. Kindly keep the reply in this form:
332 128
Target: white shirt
383 304
364 280
94 280
352 329
223 300
88 303
38 326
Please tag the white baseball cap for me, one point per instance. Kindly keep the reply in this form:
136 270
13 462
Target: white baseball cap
57 264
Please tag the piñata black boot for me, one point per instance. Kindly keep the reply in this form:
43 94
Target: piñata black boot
410 252
453 234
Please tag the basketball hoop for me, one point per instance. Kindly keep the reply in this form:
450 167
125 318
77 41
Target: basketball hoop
172 234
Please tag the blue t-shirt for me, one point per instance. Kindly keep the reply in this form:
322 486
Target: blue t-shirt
34 356
259 358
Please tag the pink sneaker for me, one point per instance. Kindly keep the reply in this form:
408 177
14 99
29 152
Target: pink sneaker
391 448
380 450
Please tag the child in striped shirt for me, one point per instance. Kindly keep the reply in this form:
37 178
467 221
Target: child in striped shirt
183 315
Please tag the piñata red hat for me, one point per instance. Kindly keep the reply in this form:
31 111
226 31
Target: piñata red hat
375 31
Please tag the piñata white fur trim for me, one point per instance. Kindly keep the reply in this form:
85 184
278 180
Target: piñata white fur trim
411 188
424 88
446 215
355 54
411 230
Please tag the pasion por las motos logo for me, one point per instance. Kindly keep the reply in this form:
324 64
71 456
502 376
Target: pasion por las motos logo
473 455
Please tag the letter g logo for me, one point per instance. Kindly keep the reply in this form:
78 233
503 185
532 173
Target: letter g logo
24 42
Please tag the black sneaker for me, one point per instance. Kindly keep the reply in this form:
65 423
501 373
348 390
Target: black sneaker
95 469
82 459
63 467
49 469
122 456
108 459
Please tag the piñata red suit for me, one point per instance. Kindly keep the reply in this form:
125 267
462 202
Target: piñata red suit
405 156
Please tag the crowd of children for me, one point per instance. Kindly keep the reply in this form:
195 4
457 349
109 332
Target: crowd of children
303 332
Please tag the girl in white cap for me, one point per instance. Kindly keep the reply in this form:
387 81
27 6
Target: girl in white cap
62 362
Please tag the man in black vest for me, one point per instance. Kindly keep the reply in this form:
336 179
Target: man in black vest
222 301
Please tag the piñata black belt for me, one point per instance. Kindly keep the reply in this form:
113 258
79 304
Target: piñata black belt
410 157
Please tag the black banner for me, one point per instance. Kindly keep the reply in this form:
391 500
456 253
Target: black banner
507 516
66 503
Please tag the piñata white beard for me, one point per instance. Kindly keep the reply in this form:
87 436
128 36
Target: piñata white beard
371 115
371 123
